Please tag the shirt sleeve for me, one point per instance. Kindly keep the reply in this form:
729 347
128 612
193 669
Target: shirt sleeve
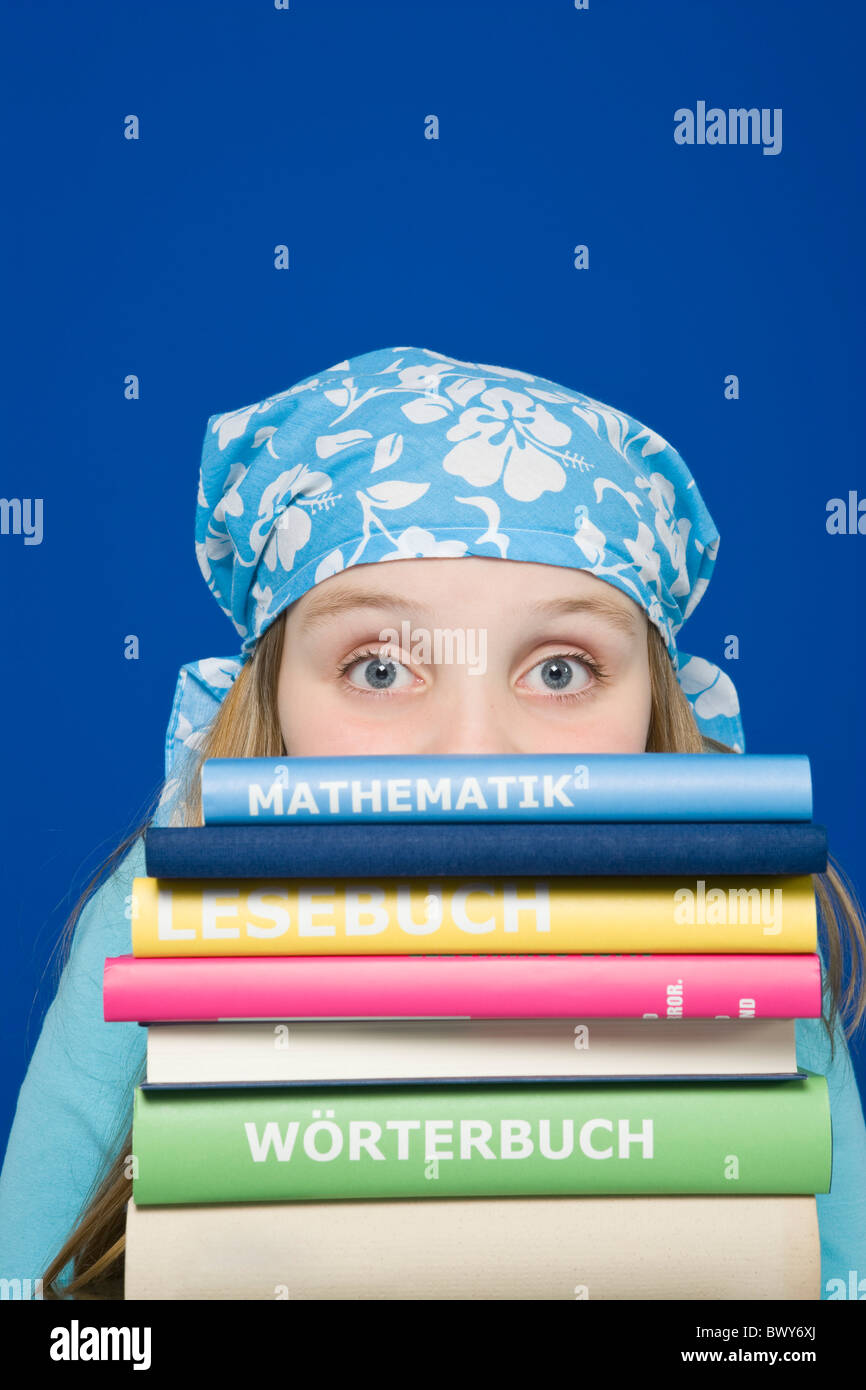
842 1210
75 1103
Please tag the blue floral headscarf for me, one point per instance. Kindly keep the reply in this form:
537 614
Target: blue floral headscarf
402 453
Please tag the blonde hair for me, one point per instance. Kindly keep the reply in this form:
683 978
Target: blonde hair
247 725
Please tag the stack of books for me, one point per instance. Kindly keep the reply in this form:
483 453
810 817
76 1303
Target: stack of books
479 1028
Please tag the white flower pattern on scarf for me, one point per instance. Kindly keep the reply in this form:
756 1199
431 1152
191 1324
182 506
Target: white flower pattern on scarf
506 437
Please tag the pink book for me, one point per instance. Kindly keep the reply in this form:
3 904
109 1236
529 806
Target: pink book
185 989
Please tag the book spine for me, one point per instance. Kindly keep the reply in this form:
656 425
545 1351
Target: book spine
509 986
413 849
556 787
240 917
403 1051
205 1145
535 1248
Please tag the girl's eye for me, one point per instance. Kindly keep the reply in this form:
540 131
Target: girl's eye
565 675
372 671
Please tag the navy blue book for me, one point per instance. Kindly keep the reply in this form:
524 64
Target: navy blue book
413 849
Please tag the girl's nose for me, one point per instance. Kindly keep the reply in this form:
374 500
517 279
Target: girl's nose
471 720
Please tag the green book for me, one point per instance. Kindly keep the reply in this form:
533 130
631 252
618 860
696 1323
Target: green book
214 1144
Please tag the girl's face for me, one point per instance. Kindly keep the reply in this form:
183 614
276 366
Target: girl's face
483 656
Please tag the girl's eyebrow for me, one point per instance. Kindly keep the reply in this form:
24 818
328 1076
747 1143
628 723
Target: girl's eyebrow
598 607
326 606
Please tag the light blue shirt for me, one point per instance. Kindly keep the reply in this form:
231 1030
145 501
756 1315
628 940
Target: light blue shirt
75 1105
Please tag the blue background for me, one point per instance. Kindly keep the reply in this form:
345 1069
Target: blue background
306 127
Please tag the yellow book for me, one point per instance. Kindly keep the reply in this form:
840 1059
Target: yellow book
454 916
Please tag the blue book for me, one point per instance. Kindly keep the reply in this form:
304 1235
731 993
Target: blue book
415 849
512 787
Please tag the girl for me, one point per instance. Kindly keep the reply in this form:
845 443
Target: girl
568 534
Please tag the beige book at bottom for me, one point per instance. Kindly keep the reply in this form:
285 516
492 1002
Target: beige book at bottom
574 1248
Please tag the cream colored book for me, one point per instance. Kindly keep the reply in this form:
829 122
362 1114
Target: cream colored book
268 1050
485 1249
